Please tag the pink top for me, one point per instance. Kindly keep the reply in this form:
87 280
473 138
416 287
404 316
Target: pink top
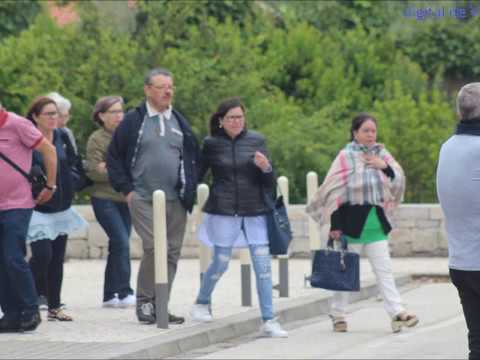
18 136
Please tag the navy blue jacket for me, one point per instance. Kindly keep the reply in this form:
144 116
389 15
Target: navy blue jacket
124 146
67 160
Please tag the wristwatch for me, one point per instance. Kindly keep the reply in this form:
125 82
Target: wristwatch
51 188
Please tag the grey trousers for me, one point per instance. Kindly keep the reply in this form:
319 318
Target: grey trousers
142 219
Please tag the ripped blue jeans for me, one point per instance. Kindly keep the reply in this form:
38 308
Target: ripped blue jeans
262 265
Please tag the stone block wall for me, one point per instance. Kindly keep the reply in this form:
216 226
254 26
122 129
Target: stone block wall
419 230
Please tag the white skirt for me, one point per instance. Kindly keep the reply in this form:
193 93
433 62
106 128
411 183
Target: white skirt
50 226
233 231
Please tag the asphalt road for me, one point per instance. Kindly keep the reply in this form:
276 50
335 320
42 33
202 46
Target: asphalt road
441 333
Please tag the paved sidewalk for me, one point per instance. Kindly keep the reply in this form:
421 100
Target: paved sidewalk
104 333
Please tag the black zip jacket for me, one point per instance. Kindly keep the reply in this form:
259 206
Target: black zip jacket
124 145
238 184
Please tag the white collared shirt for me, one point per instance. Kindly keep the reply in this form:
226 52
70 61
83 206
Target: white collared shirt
162 116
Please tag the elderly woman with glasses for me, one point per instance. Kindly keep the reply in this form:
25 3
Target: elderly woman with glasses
64 105
110 207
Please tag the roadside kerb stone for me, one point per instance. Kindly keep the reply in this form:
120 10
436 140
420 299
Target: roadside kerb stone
184 340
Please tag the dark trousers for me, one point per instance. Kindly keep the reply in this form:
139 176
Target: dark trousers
47 267
18 296
114 217
468 286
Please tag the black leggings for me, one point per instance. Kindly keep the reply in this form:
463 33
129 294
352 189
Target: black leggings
47 268
468 286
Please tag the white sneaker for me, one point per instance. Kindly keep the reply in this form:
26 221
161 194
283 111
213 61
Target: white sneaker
201 313
112 303
127 301
271 328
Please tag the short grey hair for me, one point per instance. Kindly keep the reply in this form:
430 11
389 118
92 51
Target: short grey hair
63 104
468 101
155 72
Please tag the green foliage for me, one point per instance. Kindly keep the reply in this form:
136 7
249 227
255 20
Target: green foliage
16 15
449 45
302 68
414 130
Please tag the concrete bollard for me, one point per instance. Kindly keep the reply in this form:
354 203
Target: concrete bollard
282 183
246 277
204 253
160 253
313 233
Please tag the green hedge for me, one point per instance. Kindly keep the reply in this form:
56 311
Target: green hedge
301 83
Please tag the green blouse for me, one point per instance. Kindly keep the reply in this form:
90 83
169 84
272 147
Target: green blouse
372 230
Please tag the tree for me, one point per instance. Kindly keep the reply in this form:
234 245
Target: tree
16 15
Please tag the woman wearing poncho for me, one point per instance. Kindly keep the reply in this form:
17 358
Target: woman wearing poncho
363 185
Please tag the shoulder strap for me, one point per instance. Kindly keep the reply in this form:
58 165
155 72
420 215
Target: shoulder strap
15 166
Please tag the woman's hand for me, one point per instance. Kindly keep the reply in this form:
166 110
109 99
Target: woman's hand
261 161
102 167
375 161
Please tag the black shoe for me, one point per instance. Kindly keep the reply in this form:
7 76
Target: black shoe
9 325
30 323
172 319
146 313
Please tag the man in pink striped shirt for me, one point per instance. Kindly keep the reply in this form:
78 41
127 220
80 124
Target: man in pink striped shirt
18 297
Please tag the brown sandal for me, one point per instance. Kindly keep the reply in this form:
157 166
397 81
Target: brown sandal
58 314
404 319
339 324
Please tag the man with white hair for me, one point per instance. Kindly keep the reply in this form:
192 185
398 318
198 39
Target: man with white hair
64 105
458 184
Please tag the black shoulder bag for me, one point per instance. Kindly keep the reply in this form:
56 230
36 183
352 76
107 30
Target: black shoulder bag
80 178
36 178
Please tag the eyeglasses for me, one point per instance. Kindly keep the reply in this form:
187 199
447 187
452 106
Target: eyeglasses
50 114
233 118
163 87
114 112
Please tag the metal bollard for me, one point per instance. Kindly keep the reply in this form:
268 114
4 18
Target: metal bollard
160 253
204 253
283 259
246 277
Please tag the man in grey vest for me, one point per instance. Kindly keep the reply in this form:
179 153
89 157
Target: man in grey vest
154 148
458 187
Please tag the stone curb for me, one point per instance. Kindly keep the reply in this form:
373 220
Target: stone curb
184 340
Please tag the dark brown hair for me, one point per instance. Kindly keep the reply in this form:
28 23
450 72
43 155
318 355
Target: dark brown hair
358 121
36 107
224 107
102 105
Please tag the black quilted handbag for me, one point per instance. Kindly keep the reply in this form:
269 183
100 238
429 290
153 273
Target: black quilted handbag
337 270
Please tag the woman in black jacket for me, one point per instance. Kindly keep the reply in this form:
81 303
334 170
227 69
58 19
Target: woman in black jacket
52 221
235 209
